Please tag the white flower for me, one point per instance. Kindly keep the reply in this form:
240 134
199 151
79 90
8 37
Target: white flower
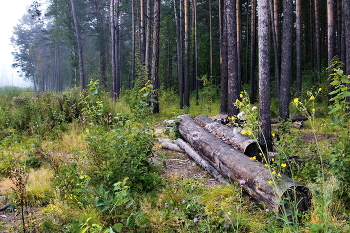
239 115
254 108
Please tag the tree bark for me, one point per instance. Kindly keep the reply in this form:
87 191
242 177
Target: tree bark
346 10
101 37
170 144
113 47
178 20
210 41
287 61
298 48
155 57
223 59
79 44
230 135
187 54
252 52
318 40
133 44
276 43
234 165
195 52
148 37
233 85
264 134
293 119
239 43
202 162
142 33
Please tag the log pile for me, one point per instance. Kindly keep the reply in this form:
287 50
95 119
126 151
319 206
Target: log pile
225 153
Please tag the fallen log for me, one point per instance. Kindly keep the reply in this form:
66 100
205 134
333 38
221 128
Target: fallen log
231 136
293 119
234 165
202 162
169 144
4 207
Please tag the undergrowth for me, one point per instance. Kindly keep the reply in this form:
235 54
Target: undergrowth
89 165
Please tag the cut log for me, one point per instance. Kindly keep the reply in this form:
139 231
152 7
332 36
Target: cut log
293 119
202 162
169 144
4 207
230 135
234 165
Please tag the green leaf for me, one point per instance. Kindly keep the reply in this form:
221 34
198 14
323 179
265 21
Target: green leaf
345 79
118 227
346 94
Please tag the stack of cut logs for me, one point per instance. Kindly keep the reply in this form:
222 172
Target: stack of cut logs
226 154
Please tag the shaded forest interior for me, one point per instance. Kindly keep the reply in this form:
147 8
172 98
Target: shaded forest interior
201 43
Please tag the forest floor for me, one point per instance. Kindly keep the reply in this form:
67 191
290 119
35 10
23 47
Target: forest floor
174 166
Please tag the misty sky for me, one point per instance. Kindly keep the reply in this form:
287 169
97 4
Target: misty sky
10 13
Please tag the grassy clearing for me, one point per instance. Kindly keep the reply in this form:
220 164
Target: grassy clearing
89 169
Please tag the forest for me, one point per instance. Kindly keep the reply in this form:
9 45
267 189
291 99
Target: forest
80 151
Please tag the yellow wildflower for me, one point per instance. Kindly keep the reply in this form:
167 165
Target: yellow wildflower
273 173
253 158
244 132
279 174
273 135
319 89
272 159
296 100
266 165
249 132
312 97
283 165
270 182
313 109
241 95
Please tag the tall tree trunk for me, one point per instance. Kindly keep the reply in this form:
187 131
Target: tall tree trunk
233 85
318 40
239 43
277 47
252 52
133 42
311 40
195 60
113 43
148 36
264 137
210 40
178 20
339 28
346 10
298 48
118 55
286 66
187 53
142 33
331 30
79 44
331 37
223 59
155 57
100 28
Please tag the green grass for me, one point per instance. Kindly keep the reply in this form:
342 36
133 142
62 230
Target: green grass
71 154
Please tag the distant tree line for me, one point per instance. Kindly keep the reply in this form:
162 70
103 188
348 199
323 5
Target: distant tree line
175 42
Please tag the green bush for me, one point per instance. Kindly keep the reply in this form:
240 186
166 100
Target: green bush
121 153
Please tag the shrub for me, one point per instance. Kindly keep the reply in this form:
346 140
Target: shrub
120 153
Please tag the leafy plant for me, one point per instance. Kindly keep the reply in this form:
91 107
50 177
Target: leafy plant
120 153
